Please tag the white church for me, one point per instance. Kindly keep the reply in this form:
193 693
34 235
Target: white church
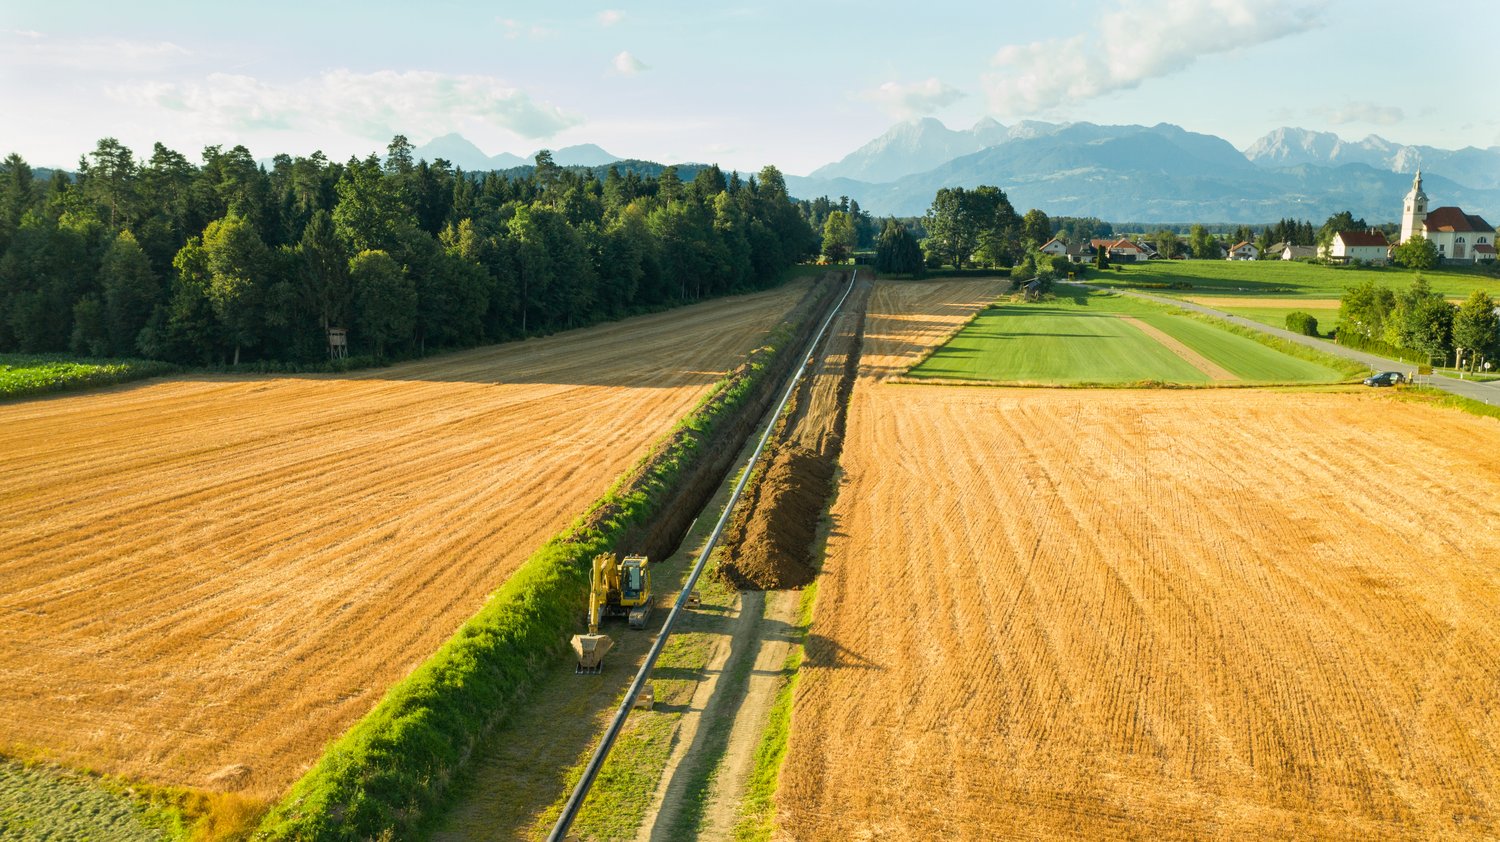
1457 235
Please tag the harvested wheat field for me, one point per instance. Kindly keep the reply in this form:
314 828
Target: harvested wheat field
206 573
1150 614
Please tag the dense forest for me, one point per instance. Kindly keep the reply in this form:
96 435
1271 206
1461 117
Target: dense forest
229 260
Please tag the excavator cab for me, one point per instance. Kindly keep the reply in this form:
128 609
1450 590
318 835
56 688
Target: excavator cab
635 589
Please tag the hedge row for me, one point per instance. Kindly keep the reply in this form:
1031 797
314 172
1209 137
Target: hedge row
1380 348
389 776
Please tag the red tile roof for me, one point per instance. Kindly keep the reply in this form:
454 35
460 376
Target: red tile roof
1123 244
1484 248
1453 219
1362 238
1054 240
1238 246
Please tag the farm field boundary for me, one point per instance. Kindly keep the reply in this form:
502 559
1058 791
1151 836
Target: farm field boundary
392 770
1089 338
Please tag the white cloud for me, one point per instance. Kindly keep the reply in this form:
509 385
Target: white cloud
1144 39
516 29
914 99
368 105
609 17
1366 112
626 64
22 48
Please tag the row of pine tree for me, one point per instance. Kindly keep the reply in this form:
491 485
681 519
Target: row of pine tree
229 260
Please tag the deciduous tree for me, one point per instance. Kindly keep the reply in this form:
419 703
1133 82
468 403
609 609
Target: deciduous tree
1476 328
1418 253
237 262
838 237
385 301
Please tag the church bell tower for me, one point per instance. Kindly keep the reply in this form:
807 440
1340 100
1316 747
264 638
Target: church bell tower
1415 209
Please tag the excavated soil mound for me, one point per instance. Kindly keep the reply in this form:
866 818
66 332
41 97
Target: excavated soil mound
774 550
772 536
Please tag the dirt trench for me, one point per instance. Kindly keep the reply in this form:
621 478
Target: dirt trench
681 504
771 538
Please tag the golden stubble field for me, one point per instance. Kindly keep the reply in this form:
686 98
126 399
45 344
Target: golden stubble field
206 572
1165 614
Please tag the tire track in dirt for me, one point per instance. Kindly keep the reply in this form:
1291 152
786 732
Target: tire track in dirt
1072 614
197 572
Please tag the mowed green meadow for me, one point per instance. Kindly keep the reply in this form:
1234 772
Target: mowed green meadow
1088 338
1288 279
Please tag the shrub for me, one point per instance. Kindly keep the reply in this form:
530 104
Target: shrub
1303 323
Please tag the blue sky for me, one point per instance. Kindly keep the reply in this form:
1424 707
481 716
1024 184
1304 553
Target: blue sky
796 84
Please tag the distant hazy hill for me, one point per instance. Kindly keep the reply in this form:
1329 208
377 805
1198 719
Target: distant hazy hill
1156 173
910 147
1470 166
460 152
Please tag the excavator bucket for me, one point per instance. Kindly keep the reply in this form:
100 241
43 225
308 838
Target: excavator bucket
591 649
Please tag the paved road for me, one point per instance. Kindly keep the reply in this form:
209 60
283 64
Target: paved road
1484 392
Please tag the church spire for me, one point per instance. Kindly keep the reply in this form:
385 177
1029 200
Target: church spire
1414 211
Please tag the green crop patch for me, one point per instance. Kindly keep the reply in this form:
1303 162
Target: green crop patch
1104 339
24 375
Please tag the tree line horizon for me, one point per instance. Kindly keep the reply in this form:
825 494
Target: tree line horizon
212 263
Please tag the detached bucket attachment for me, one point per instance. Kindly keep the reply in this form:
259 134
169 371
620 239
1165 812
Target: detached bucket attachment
591 649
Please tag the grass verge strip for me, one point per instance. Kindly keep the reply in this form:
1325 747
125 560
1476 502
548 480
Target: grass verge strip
390 774
1437 397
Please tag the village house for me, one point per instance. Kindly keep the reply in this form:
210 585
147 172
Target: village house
1054 247
1459 236
1244 251
1082 252
1369 246
1291 252
1119 251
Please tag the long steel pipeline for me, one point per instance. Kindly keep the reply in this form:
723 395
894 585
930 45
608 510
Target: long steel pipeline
591 771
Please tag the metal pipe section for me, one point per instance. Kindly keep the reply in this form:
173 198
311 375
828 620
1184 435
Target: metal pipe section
581 790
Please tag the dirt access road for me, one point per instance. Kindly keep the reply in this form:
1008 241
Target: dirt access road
204 572
1148 614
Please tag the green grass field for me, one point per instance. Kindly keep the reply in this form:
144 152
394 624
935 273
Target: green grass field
1276 316
1285 279
1083 339
24 375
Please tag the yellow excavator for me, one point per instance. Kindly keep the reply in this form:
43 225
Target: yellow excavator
620 587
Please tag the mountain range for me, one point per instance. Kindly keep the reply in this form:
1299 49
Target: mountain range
1289 147
1159 173
461 153
1147 174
